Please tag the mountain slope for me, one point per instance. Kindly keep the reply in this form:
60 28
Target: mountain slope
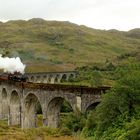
54 45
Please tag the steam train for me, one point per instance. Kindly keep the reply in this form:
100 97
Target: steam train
17 77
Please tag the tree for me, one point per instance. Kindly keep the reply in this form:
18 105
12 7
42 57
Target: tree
96 78
121 104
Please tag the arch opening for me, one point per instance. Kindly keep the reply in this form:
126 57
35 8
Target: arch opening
44 79
57 108
92 106
38 79
32 78
56 80
4 104
71 77
32 112
27 79
64 78
49 79
15 109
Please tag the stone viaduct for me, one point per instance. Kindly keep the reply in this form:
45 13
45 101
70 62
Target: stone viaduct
51 77
18 101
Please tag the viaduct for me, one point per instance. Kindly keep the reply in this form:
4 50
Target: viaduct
18 101
51 77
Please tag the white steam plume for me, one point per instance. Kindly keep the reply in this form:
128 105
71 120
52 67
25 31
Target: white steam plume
11 65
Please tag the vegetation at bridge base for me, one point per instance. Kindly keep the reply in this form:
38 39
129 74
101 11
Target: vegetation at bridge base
117 117
73 122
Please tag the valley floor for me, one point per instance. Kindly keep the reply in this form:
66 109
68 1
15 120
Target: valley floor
40 133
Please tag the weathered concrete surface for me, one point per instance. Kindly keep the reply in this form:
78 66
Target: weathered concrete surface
18 101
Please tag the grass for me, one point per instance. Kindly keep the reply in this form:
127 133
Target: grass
39 133
51 45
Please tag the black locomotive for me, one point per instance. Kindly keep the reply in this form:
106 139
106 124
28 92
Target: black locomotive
17 77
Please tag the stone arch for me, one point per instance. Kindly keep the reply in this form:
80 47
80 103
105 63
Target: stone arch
91 106
71 77
64 78
49 78
38 79
56 79
30 111
44 79
15 109
53 111
27 79
32 78
4 104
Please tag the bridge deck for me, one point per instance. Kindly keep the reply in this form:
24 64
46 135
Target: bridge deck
54 72
52 87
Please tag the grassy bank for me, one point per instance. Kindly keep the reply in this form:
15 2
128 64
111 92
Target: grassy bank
40 133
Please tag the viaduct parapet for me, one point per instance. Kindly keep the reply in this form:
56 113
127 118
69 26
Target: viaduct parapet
18 101
51 77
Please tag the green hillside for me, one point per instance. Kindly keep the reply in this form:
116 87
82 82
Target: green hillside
55 46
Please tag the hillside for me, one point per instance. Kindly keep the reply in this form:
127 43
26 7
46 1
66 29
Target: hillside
55 46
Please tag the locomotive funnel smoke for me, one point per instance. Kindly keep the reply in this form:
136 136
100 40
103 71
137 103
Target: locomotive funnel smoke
11 65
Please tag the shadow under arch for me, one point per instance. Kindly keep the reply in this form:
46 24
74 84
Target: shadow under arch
4 104
56 80
31 105
15 109
50 78
32 78
64 78
38 79
92 106
27 79
53 111
44 79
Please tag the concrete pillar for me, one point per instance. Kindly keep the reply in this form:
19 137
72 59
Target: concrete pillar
14 115
78 98
29 116
4 104
53 113
0 104
44 120
59 80
67 77
52 80
14 109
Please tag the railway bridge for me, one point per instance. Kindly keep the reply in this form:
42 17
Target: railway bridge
51 77
18 101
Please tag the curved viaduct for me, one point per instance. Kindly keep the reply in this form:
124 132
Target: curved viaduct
18 101
51 77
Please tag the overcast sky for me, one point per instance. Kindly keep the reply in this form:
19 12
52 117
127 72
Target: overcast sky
101 14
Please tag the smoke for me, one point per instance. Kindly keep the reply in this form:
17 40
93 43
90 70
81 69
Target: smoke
11 65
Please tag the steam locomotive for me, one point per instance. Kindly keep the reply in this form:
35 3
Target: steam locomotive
17 77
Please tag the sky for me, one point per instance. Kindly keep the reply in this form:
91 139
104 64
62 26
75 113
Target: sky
99 14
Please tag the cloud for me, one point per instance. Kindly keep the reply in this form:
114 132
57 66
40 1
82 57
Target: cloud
104 14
